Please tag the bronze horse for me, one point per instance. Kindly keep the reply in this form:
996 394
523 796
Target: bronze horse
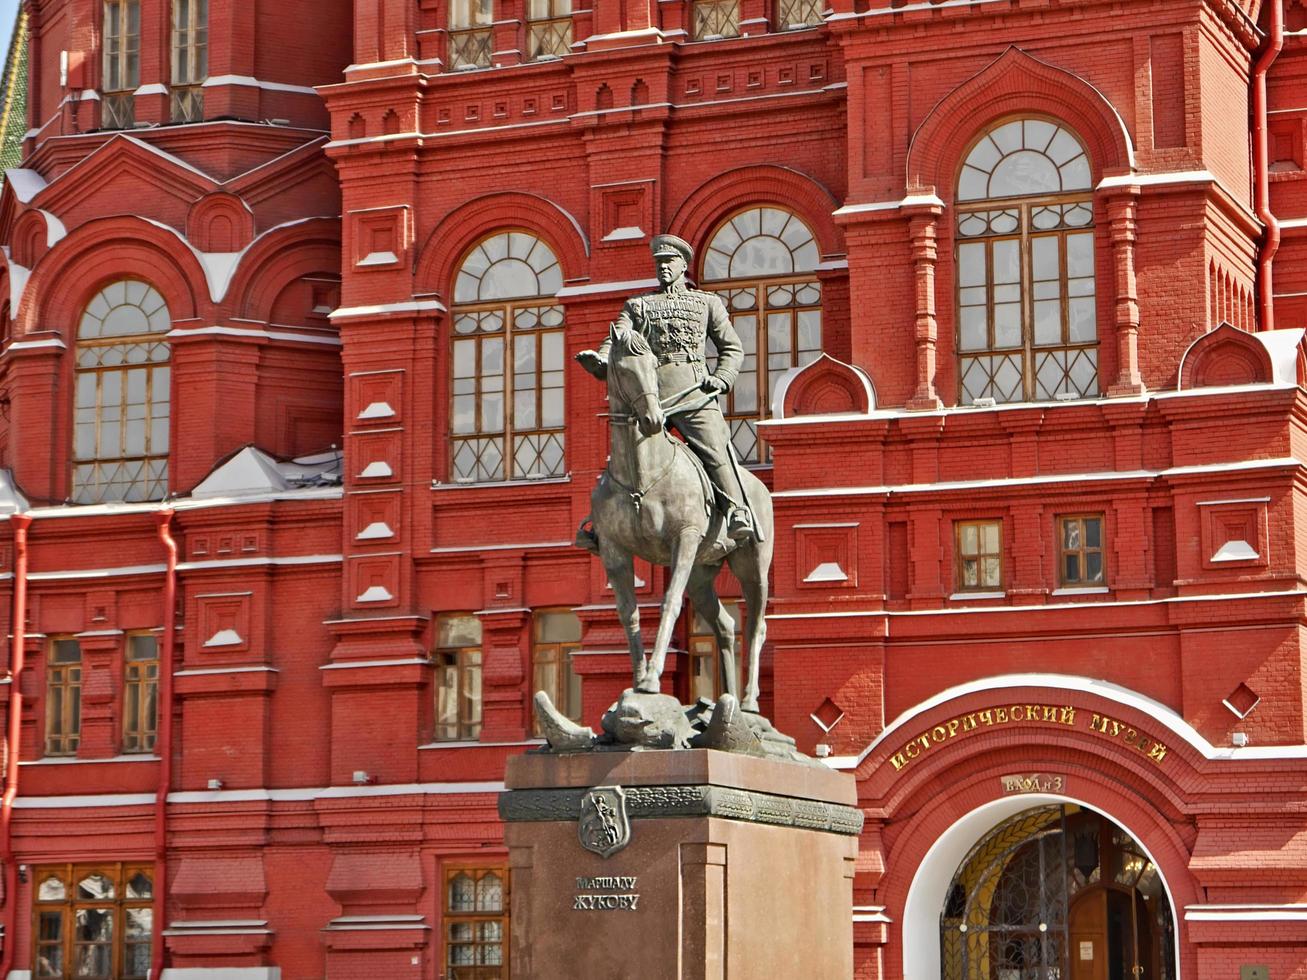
654 501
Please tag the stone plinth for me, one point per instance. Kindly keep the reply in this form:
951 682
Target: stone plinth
735 867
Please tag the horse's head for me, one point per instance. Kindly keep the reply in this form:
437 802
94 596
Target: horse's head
633 379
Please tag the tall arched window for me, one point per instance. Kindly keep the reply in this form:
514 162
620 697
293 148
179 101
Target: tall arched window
763 263
122 400
1027 323
506 417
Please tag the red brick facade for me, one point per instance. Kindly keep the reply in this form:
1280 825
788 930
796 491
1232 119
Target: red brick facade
307 239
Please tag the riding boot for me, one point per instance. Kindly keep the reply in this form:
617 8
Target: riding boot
739 522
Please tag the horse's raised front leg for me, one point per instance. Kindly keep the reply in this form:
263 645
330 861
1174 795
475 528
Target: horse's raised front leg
621 576
684 549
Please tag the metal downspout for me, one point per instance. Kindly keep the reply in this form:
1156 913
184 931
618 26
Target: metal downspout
1261 169
17 657
163 746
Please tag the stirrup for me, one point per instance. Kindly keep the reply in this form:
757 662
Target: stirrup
739 525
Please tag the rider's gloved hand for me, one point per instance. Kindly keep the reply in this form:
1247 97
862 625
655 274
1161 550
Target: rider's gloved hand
713 384
592 362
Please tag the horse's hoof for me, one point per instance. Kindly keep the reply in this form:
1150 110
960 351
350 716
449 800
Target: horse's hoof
646 686
751 707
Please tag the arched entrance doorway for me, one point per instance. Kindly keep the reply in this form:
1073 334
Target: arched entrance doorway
1057 892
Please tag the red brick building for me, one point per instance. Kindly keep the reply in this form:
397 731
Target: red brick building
295 447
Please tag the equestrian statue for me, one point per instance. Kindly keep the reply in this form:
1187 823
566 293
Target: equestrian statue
685 503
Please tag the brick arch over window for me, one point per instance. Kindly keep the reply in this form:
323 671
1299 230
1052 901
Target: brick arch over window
1016 84
1226 356
278 258
456 234
220 222
97 253
716 199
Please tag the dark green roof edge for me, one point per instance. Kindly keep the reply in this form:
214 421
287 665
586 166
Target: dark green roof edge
13 109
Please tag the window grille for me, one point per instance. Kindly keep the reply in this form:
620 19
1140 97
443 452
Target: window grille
190 59
476 924
122 398
470 34
1026 309
122 63
506 418
549 28
800 13
762 262
715 19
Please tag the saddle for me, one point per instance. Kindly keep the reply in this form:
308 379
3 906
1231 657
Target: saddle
716 544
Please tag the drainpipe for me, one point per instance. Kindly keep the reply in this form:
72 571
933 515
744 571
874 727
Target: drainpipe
1261 168
163 746
18 627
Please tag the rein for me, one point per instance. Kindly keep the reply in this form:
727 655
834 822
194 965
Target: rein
629 418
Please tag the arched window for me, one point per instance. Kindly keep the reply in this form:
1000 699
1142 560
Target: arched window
506 418
122 401
763 264
1026 315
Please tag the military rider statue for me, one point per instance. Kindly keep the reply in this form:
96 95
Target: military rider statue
675 322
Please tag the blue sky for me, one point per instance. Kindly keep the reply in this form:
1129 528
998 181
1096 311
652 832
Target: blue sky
8 14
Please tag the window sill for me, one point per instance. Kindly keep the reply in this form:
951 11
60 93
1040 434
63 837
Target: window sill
479 745
72 760
1087 590
956 596
490 484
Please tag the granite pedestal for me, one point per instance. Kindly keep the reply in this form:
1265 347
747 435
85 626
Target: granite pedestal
736 867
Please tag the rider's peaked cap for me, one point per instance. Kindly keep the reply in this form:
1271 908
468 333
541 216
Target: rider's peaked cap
671 245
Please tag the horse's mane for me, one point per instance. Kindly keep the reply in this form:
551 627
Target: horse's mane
628 341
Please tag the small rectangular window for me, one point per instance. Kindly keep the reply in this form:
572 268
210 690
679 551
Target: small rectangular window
457 659
63 697
1080 551
705 662
557 638
978 547
476 924
140 693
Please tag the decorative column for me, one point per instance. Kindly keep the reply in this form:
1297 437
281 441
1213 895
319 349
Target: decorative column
100 670
923 221
503 674
1122 208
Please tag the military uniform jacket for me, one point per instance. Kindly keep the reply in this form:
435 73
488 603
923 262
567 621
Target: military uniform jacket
677 323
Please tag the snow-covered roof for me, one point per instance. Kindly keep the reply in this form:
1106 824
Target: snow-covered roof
252 472
11 501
